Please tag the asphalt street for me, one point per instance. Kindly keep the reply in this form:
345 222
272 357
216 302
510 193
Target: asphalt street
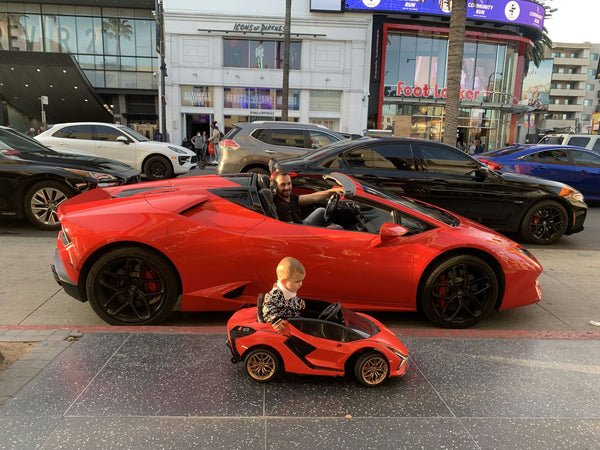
30 296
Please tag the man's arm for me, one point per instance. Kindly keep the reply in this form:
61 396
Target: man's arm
309 199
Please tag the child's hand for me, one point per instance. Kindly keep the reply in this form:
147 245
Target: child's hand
280 326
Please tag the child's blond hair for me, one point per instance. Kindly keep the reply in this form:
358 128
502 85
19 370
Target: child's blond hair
288 267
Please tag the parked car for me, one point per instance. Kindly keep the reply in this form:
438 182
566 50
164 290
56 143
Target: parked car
590 141
34 179
364 347
215 241
541 211
156 160
575 166
249 146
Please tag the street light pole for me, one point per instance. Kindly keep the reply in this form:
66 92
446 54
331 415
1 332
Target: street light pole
286 61
160 48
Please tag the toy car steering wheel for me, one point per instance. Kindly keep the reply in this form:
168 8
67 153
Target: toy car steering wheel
330 311
331 206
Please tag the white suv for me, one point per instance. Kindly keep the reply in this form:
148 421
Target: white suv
157 160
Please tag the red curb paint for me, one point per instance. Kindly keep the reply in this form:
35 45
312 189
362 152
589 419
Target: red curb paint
410 332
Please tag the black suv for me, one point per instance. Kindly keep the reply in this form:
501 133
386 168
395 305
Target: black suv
249 146
540 210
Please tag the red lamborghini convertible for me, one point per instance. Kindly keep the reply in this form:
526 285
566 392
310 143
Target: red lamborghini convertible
215 241
326 339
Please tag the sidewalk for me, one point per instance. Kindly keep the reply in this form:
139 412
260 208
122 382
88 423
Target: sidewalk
163 387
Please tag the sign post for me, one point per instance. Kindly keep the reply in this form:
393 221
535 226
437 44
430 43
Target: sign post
44 101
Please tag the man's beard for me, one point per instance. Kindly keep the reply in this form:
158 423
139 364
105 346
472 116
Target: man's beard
284 193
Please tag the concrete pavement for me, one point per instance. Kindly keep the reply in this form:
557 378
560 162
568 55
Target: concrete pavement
179 390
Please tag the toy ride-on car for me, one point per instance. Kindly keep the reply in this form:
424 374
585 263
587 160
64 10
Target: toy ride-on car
327 339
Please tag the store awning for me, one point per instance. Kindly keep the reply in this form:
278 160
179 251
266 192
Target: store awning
26 76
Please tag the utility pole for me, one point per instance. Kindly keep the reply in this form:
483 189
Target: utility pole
286 61
160 49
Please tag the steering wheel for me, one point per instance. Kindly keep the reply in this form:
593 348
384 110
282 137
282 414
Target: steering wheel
331 206
330 311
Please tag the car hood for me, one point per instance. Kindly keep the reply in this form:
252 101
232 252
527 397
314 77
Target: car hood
528 179
84 162
164 146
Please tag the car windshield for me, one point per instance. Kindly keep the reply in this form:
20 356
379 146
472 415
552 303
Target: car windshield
423 208
316 154
13 143
360 324
135 134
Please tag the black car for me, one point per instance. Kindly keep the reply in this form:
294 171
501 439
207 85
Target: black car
35 179
541 211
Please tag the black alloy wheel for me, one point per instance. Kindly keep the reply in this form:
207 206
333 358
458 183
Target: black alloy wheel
158 168
545 223
41 202
132 286
459 292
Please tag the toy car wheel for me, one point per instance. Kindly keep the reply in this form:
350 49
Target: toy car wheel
545 223
262 364
132 286
158 168
42 200
459 292
371 369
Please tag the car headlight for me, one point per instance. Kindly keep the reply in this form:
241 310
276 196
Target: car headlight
177 150
571 194
397 353
103 179
523 251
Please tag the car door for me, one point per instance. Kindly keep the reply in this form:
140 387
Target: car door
341 265
453 180
284 142
586 166
553 164
107 145
75 137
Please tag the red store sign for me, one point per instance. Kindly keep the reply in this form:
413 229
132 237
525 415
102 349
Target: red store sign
431 92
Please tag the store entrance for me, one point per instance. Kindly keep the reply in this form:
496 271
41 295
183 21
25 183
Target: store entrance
195 123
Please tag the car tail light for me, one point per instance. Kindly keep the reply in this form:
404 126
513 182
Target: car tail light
491 164
228 144
9 152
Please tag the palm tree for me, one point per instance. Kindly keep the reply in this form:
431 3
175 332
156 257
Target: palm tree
117 29
456 45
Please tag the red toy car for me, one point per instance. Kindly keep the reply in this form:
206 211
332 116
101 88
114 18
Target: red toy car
326 340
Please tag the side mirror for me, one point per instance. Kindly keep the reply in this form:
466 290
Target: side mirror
481 173
389 232
123 139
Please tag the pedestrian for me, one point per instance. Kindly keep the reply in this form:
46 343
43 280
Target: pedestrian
472 147
199 149
157 136
478 147
31 132
214 139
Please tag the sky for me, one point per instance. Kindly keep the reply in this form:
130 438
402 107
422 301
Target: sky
575 21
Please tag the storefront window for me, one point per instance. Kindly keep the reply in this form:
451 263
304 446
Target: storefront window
259 54
197 96
259 99
25 32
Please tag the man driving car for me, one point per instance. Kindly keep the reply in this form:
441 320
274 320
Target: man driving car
289 204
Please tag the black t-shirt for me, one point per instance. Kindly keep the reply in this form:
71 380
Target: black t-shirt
288 211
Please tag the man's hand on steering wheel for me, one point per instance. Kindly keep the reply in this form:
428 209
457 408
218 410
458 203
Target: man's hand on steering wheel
331 206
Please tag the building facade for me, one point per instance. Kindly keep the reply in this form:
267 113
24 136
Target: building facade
111 75
352 67
574 88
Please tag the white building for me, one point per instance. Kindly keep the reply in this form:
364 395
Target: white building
215 71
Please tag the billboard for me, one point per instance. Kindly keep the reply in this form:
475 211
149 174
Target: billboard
536 86
520 12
